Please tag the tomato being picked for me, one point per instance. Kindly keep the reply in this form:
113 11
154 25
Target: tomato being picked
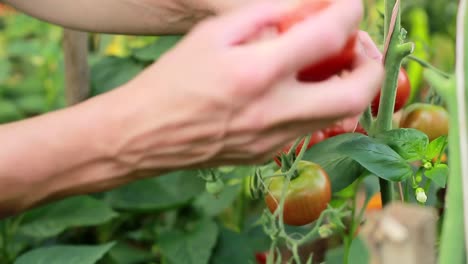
330 66
307 195
433 120
402 93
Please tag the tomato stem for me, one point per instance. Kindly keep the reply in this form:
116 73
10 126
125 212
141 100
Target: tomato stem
289 175
441 83
393 57
429 66
453 239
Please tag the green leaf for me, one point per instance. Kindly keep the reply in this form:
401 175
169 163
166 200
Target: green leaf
23 48
438 174
111 72
158 193
436 147
123 253
358 252
5 69
409 143
335 256
212 206
234 248
22 26
237 172
160 46
341 169
377 158
54 218
371 185
65 254
190 247
9 112
32 104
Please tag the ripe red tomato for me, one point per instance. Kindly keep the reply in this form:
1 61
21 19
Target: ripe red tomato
402 94
433 120
337 129
332 65
306 197
261 257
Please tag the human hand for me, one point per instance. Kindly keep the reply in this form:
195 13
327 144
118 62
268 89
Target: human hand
366 46
218 98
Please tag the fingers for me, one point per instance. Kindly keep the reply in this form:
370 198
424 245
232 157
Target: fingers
336 98
314 39
245 22
350 124
369 47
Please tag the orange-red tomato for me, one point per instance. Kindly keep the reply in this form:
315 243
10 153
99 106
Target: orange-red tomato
433 120
443 158
375 203
330 66
307 195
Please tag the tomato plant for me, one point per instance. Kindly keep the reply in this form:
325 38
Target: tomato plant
431 119
330 66
307 195
230 214
403 92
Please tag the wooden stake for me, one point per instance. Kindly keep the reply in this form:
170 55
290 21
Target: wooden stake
75 46
401 234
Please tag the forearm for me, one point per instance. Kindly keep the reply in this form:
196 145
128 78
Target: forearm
68 152
144 17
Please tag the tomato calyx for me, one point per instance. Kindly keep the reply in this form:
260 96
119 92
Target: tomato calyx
287 161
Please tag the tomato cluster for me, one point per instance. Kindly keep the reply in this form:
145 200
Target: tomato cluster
317 137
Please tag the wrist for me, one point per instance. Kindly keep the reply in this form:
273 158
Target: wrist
214 7
165 131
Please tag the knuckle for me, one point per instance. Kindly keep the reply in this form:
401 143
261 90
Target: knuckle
244 79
